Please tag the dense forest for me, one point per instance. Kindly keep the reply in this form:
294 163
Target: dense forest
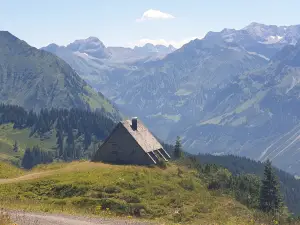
74 130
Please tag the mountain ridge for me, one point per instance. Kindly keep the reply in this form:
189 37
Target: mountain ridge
221 83
56 83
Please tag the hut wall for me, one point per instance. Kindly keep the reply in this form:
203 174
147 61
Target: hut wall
121 148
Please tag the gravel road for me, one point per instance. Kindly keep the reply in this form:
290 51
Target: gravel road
26 218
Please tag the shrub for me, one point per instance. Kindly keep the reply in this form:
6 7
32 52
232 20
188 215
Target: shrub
67 190
130 198
112 189
129 185
161 190
115 205
162 164
83 202
214 185
137 209
187 184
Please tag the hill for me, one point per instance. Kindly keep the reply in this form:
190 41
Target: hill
61 134
290 186
102 189
37 79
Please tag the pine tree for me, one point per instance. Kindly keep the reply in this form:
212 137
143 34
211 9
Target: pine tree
60 143
71 144
27 161
16 147
270 198
178 149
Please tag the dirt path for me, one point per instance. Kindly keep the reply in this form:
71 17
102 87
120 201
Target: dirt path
24 218
33 176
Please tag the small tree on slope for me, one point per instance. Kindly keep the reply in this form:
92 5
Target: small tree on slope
270 198
178 149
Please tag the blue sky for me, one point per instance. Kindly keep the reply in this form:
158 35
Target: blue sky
120 22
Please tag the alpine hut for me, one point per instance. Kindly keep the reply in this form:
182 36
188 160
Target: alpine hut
131 143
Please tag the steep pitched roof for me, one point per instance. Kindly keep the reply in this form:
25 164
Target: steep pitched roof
142 136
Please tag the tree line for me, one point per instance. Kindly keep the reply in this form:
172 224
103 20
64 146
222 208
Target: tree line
255 184
75 129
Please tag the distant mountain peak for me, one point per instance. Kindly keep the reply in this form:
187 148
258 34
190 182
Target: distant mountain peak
91 46
254 24
56 84
51 47
159 48
91 41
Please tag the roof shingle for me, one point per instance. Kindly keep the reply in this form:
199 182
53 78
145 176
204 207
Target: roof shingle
142 136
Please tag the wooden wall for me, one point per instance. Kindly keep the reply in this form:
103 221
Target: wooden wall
121 148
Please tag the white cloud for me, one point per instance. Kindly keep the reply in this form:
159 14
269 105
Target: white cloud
176 44
152 14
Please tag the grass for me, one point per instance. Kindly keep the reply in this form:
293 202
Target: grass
9 171
221 120
96 101
111 190
47 142
174 118
8 136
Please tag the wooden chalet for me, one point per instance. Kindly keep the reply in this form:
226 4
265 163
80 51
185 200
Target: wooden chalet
131 143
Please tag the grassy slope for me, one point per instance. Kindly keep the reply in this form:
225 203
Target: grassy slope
82 187
9 171
8 136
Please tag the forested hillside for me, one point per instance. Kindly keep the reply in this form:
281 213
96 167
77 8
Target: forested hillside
66 134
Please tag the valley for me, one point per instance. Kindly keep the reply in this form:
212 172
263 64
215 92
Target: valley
228 93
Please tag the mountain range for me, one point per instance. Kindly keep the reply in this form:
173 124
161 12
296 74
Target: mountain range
232 92
37 79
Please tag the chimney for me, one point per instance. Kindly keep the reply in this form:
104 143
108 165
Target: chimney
134 123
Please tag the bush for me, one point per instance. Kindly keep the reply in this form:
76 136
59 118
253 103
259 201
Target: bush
130 198
112 189
67 190
137 209
162 164
129 185
187 184
162 189
85 202
220 178
115 205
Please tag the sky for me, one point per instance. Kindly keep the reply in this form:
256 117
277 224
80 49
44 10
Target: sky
136 22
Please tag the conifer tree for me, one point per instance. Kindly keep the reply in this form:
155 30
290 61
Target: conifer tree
16 147
178 149
270 198
71 144
60 143
27 159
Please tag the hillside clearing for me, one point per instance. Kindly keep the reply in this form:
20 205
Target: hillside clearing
110 190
